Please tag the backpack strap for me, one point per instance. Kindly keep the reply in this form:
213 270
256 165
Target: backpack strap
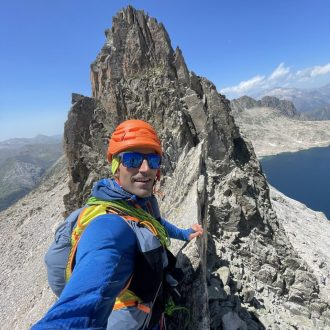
85 217
129 299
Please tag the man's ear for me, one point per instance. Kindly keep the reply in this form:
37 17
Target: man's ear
116 175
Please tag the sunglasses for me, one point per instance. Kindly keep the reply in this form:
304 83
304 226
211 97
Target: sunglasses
135 159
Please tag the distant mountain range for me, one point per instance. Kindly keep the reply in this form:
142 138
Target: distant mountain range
38 139
23 162
314 103
274 126
283 107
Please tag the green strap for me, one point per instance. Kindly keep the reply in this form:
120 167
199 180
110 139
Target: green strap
171 308
124 207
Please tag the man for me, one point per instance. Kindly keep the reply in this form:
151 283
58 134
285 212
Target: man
119 268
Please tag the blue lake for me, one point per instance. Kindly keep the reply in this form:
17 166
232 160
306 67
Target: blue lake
303 175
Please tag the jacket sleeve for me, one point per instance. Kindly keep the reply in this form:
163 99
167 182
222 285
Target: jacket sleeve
175 232
104 263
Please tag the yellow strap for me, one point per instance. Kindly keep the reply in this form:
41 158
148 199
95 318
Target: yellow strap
131 303
127 295
85 217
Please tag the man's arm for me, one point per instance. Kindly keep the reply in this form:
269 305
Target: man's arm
104 263
175 232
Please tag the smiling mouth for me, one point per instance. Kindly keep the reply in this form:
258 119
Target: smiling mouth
142 180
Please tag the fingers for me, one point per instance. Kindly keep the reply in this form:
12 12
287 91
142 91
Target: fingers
198 228
192 236
198 231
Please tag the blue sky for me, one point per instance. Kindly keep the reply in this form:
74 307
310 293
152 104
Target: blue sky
243 46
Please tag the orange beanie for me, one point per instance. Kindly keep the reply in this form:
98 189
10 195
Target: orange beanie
133 133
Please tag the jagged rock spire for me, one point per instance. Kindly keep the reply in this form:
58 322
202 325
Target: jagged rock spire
135 45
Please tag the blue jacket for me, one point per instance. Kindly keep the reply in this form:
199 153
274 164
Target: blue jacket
104 262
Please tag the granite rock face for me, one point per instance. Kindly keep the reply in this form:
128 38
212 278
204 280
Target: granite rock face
309 233
244 273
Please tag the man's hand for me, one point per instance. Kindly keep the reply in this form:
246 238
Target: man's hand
198 231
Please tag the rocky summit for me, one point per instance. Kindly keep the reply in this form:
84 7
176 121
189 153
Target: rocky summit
283 107
244 273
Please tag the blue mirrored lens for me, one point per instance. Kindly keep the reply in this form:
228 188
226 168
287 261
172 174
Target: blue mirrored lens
154 161
132 159
135 159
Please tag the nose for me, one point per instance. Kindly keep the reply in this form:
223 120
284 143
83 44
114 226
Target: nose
144 166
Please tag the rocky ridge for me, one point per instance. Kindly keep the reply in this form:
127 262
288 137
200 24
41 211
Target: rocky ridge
245 273
283 107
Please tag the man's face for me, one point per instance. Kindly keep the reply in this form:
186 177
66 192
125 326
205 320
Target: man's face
138 181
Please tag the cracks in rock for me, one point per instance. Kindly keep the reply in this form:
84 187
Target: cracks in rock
241 154
191 128
149 44
206 107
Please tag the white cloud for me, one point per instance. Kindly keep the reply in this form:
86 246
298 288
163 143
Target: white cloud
282 76
320 70
312 72
244 86
280 72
